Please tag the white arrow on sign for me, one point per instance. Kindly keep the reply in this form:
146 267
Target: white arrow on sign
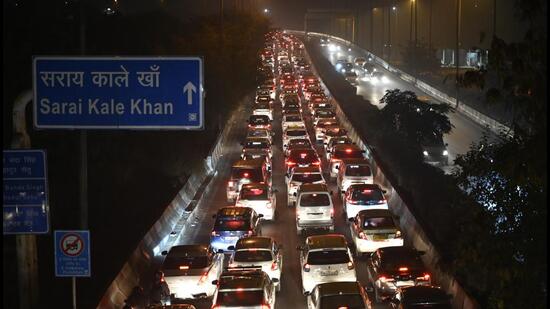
189 88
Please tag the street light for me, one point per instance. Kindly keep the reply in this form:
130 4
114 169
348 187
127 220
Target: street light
266 11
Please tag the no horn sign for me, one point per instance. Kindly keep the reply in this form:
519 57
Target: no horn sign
72 253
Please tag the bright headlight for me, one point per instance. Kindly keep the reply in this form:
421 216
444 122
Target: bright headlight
374 80
445 152
425 153
385 79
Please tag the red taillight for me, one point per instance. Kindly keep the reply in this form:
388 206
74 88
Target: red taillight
350 265
290 163
250 126
306 267
348 150
184 267
245 175
366 191
385 278
274 265
426 276
316 163
403 269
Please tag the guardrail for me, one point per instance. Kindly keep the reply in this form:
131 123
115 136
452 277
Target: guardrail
475 115
160 236
415 234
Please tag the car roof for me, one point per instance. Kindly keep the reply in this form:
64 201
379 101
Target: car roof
254 242
365 186
355 161
396 250
424 294
247 279
313 187
326 241
374 213
188 250
339 288
345 146
309 169
248 163
234 211
296 150
256 185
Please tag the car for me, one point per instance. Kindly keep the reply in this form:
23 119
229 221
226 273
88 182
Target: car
259 122
359 61
368 68
320 127
358 197
264 99
309 89
340 152
413 297
314 208
325 258
291 111
323 113
294 133
332 132
292 104
378 77
347 67
189 269
342 140
299 176
263 108
269 87
260 197
297 143
338 295
244 288
293 120
301 158
257 144
258 154
262 92
391 267
246 171
260 251
291 98
353 171
263 133
322 104
232 223
339 65
434 150
351 77
374 228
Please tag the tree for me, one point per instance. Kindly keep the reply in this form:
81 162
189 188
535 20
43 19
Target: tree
413 119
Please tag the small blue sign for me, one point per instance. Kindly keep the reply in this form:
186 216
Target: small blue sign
72 253
26 208
163 93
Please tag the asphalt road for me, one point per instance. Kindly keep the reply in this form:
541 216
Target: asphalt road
465 131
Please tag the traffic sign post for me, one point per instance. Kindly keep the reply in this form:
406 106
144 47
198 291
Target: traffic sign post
25 206
163 93
72 256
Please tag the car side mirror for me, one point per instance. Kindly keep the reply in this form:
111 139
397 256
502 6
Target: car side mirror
260 215
352 220
384 191
337 166
215 282
295 194
164 252
328 151
275 280
230 248
306 293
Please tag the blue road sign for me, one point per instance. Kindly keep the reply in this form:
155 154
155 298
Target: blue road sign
26 208
163 93
72 253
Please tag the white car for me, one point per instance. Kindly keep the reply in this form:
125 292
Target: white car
320 127
344 140
256 144
244 288
323 113
314 208
190 269
299 176
363 196
263 108
325 258
293 120
374 228
340 152
293 133
353 171
259 251
259 197
333 132
263 133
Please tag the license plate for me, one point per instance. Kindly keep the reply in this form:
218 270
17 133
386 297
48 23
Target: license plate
303 165
329 273
231 238
379 237
404 283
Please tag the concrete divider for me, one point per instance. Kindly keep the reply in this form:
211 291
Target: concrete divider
475 115
414 233
158 238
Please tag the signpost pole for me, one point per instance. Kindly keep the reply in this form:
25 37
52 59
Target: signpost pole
74 292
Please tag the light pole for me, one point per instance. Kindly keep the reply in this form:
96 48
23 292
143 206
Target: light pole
411 22
457 53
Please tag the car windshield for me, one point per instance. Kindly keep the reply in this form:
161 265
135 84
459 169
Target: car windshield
252 174
324 257
378 223
315 199
293 118
256 144
348 154
193 262
240 298
367 195
358 170
262 105
231 224
296 132
253 193
324 113
432 140
409 258
257 133
307 178
299 142
253 255
259 120
349 301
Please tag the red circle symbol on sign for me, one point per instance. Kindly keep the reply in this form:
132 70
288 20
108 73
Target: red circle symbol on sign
72 245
